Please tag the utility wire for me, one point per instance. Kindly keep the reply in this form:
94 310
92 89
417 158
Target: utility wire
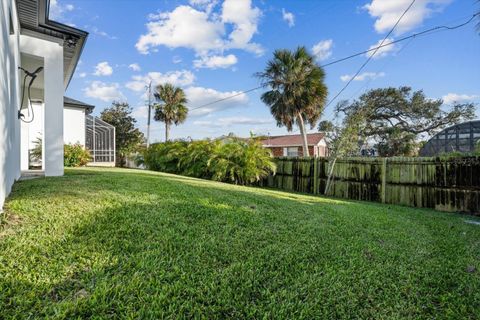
370 57
437 28
226 98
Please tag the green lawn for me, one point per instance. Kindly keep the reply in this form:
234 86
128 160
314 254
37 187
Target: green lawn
111 243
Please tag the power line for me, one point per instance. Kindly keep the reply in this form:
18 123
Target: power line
370 57
437 28
226 98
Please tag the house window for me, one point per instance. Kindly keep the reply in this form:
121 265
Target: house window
290 152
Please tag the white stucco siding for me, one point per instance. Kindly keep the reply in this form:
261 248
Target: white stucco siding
74 125
30 133
9 99
52 54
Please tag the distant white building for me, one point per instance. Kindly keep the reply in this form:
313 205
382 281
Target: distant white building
37 60
74 114
79 127
74 123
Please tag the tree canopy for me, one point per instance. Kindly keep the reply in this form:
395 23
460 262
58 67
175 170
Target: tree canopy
127 137
395 119
171 107
297 92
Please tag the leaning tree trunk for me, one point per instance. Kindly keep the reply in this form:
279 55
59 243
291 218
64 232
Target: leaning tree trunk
167 131
330 176
332 166
301 125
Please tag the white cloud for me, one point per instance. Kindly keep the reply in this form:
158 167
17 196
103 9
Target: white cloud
57 9
100 33
323 50
363 76
459 98
215 62
206 5
387 13
384 50
288 17
178 78
82 75
135 67
183 27
202 30
202 3
198 96
104 91
103 69
231 121
245 19
176 59
140 112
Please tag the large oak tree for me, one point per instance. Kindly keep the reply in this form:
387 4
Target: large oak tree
395 119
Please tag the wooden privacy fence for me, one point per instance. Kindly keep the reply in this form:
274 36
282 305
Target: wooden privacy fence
442 184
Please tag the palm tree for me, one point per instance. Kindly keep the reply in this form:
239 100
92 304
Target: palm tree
171 107
298 93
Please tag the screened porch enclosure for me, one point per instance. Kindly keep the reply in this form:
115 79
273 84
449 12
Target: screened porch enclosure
100 141
462 137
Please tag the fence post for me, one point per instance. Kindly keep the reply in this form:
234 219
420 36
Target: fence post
315 175
384 179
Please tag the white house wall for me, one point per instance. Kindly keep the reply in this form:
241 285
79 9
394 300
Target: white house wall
9 99
74 125
52 54
30 132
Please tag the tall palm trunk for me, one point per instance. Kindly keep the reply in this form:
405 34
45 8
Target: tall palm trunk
301 125
167 131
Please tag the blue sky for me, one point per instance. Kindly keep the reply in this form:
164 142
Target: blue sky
213 48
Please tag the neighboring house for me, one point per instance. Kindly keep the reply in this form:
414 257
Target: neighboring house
30 40
292 146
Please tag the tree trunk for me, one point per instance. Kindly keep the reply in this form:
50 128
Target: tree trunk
301 125
337 151
330 174
167 131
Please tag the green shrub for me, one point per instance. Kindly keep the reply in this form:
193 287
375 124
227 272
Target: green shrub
235 160
241 162
36 151
164 156
195 159
75 155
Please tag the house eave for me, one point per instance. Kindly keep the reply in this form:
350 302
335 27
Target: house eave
79 35
40 25
72 103
88 109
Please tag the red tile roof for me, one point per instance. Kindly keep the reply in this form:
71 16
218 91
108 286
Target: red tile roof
293 140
